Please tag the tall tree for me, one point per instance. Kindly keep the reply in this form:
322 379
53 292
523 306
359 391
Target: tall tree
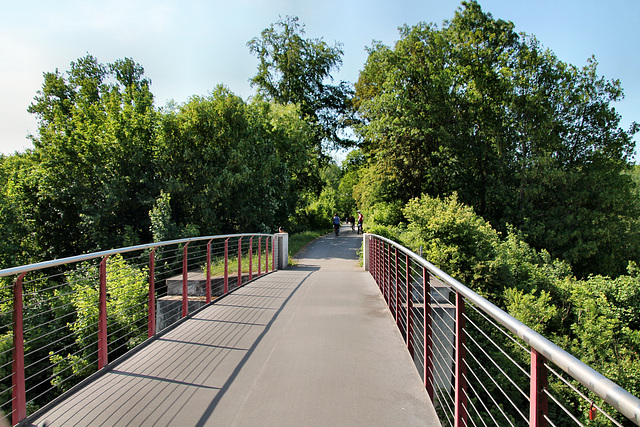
522 137
296 70
95 177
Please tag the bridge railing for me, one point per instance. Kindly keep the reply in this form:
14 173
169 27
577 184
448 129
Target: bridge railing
480 365
63 321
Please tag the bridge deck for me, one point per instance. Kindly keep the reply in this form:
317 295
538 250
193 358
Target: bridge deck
309 345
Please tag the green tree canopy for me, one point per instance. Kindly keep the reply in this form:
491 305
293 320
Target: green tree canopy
523 138
232 166
95 181
296 70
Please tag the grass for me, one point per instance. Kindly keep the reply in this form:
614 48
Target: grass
217 264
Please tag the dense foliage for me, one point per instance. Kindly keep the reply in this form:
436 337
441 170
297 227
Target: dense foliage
109 170
597 319
523 138
507 168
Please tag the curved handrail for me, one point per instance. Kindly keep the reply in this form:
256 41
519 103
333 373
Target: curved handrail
620 399
78 258
101 339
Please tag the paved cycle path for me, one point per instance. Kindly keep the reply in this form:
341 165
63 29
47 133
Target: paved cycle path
311 345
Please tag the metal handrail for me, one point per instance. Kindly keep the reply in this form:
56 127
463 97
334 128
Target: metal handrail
78 258
620 399
25 389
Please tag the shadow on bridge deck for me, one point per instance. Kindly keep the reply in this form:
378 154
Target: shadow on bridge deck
309 345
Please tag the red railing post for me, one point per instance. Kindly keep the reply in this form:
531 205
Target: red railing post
386 268
226 265
409 307
151 330
19 392
376 249
372 257
377 262
185 281
273 254
391 277
428 339
251 258
259 255
373 250
240 262
461 371
538 400
208 283
377 276
379 265
397 296
266 256
387 282
393 265
382 272
102 315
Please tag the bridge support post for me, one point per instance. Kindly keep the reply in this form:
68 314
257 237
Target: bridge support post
283 250
366 256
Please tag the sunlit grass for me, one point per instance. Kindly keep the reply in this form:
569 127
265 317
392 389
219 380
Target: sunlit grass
217 264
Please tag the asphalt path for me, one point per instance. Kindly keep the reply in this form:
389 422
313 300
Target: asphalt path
310 345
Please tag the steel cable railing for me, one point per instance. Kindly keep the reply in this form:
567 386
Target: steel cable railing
481 366
62 321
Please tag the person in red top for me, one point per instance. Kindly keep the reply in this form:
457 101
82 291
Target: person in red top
360 219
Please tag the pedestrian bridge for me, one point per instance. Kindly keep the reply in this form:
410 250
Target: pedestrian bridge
308 345
330 340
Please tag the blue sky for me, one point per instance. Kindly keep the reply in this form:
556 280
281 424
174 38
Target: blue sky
188 47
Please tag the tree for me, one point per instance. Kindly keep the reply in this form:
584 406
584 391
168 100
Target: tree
523 138
576 197
230 166
95 180
16 191
293 69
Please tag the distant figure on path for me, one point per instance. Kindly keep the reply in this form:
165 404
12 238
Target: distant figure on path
336 224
